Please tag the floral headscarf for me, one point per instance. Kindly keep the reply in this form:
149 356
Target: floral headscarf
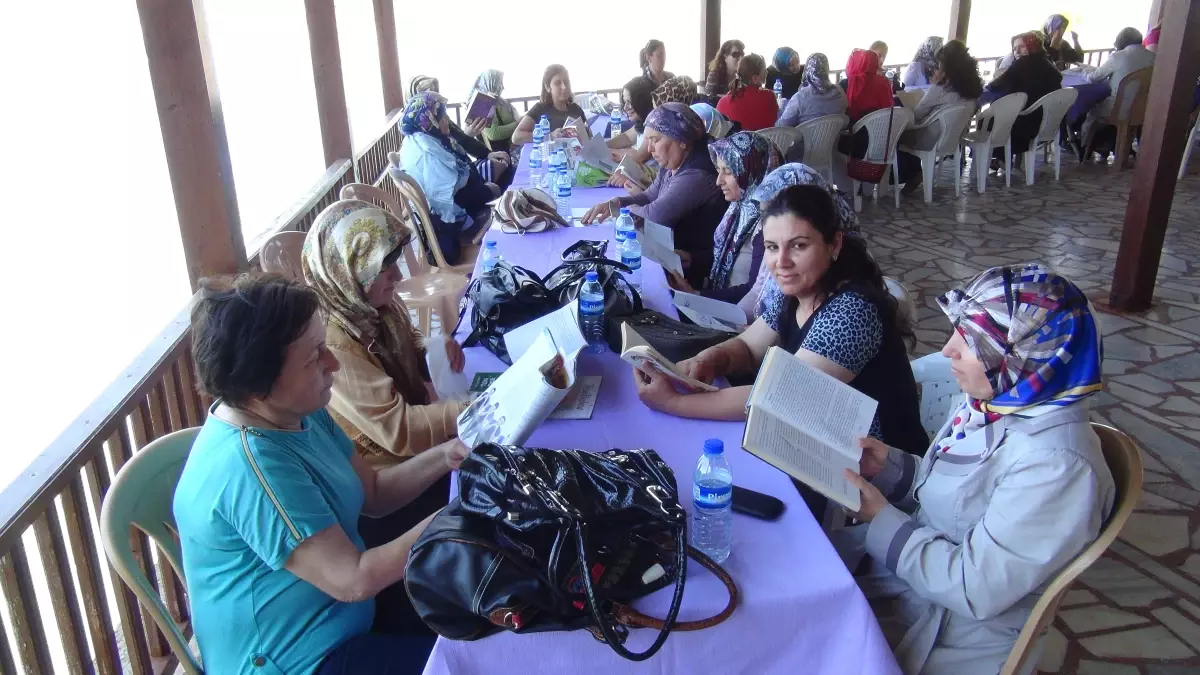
816 73
422 114
343 253
783 58
750 157
715 124
680 89
927 53
771 299
676 121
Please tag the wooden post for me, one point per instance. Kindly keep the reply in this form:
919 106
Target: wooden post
193 130
710 33
1156 13
327 76
389 56
1159 154
960 18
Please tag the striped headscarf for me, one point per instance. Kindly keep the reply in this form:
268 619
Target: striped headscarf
422 83
816 73
749 157
715 124
927 53
680 89
1034 333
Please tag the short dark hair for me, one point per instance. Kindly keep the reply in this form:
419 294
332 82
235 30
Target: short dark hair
241 329
1127 38
553 69
854 268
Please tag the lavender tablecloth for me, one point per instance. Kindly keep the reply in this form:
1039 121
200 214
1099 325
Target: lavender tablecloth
800 609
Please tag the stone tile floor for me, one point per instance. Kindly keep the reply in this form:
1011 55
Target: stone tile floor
1137 610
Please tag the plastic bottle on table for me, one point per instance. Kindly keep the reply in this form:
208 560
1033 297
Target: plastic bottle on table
631 257
591 312
537 165
712 502
614 123
778 90
562 191
489 257
624 224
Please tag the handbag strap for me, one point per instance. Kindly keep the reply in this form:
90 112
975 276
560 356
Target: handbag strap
888 141
606 623
628 616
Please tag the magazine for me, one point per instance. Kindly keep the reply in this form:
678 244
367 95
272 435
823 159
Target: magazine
636 351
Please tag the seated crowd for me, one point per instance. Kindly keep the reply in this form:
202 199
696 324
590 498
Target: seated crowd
327 450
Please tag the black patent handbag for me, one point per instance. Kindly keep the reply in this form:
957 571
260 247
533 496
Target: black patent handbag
548 540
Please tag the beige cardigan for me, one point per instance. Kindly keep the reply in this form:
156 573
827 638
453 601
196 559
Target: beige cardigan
366 405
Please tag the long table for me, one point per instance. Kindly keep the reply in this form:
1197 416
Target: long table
800 610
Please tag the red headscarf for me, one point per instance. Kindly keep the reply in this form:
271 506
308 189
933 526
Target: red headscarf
866 90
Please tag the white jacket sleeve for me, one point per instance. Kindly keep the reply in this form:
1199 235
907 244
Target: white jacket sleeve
436 172
1045 510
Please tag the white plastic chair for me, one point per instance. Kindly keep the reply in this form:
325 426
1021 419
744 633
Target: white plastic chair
910 97
882 145
820 137
954 120
1187 149
895 288
783 138
1002 113
940 392
1054 107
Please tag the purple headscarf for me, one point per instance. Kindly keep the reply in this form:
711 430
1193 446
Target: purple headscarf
677 122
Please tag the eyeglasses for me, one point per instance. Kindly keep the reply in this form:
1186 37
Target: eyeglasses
737 55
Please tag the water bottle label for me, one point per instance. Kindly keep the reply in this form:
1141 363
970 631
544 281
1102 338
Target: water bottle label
632 263
712 496
564 190
591 306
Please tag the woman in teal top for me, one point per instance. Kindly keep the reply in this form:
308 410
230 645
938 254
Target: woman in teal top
267 506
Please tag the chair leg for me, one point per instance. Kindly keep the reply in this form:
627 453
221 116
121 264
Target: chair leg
854 187
1058 156
1030 158
1124 145
983 156
1008 164
895 181
957 172
1187 152
929 170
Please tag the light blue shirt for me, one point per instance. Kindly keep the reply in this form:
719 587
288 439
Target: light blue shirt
246 499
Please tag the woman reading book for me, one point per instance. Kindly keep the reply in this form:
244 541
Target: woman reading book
1012 490
825 301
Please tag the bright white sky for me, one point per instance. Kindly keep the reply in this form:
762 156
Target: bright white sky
89 287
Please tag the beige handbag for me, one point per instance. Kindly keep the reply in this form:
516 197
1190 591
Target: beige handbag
525 211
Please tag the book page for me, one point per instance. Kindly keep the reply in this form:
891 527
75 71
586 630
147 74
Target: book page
713 313
802 457
596 153
563 324
659 234
580 401
819 404
638 353
667 258
517 402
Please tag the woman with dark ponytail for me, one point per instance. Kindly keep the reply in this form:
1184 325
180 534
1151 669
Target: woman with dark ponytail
652 59
825 301
747 102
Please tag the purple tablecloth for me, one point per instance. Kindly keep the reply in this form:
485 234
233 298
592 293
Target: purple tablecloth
800 610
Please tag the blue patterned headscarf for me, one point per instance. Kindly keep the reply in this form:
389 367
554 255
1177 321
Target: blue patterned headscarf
771 300
750 157
1035 334
816 73
715 124
677 122
783 58
422 114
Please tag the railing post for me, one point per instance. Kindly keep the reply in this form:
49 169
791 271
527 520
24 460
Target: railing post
1159 154
327 77
389 56
710 33
193 130
960 19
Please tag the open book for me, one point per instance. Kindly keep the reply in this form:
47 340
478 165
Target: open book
519 400
658 244
634 172
807 424
480 106
638 352
710 313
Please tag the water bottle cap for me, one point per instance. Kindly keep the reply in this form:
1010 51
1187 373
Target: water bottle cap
631 235
714 446
490 243
624 210
591 275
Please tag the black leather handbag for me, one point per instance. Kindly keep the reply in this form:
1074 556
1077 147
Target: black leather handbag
504 298
673 339
548 540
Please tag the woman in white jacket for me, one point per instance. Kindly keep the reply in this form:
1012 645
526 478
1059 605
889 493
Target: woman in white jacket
961 543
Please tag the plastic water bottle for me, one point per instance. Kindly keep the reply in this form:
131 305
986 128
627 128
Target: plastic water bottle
614 123
624 224
712 502
631 257
489 257
591 312
537 169
778 89
562 193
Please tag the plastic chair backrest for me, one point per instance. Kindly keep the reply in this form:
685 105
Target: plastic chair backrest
1003 113
1125 463
1054 108
141 496
908 308
911 97
369 193
418 207
820 136
940 393
954 119
882 147
282 253
1133 93
782 137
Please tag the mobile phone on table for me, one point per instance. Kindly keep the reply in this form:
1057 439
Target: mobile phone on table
756 504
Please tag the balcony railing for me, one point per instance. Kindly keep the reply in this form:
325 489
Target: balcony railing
62 602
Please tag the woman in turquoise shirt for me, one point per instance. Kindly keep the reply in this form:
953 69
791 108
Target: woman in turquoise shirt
279 580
